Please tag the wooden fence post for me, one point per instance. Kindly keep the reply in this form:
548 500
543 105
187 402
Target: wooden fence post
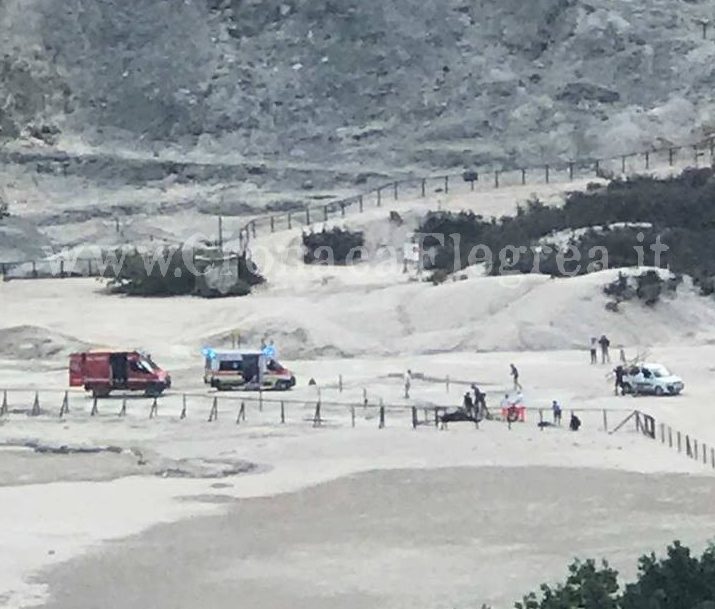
446 184
379 196
273 224
436 417
496 179
65 408
325 213
340 383
352 415
541 419
342 209
670 437
394 186
283 412
183 407
360 203
446 382
260 399
671 153
571 170
307 215
623 164
213 415
695 449
36 405
154 409
605 420
704 450
680 442
4 407
317 420
712 457
414 417
547 173
647 160
290 221
382 415
424 183
364 397
123 409
662 433
688 447
523 177
597 167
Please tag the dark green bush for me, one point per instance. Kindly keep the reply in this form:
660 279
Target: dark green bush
635 215
679 581
176 271
335 246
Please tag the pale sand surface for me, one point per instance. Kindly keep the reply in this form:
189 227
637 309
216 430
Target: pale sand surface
393 539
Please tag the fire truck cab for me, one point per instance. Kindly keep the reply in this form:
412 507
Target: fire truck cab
224 370
102 372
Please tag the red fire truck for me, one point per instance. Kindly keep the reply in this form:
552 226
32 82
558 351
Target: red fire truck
102 372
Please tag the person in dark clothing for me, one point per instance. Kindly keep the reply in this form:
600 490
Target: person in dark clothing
480 402
619 372
515 376
468 404
575 422
556 410
605 344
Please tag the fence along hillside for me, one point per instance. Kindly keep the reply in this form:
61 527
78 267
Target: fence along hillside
651 161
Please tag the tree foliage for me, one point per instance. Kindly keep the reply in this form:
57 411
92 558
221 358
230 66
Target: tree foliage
336 246
626 219
678 581
177 271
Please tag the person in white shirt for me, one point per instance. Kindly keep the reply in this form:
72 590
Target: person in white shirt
408 383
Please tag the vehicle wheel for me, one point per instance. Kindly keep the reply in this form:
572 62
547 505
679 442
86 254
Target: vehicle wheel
659 391
626 388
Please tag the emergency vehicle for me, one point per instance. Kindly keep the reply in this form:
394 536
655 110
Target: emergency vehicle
102 372
230 369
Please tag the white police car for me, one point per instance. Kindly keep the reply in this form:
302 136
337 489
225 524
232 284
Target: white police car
654 379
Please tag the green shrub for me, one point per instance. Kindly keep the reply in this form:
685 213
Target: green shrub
679 581
635 215
177 271
336 246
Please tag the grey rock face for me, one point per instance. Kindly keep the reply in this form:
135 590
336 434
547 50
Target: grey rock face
402 81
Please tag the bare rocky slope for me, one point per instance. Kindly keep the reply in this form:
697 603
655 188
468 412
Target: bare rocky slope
232 99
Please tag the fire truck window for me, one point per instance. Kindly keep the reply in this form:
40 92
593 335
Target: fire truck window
140 367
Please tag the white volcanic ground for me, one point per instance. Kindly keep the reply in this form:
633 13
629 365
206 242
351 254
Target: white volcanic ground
367 324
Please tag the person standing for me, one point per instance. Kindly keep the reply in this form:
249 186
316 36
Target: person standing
480 401
408 383
619 372
605 344
468 404
556 410
594 356
515 377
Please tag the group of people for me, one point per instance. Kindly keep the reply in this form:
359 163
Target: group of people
475 407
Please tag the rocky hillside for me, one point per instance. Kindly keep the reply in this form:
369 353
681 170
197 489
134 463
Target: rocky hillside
438 82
